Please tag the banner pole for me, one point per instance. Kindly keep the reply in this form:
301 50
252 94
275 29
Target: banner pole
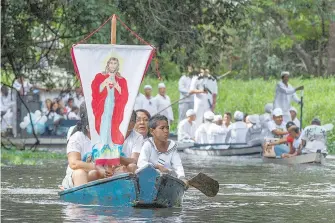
113 30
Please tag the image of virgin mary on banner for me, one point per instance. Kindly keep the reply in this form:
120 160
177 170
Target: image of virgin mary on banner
110 76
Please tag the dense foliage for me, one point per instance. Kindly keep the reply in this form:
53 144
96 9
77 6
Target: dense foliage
252 38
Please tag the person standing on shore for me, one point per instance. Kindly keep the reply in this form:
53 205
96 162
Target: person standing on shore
285 93
201 104
164 103
149 103
186 102
213 87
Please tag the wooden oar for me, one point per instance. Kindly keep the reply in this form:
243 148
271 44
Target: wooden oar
205 184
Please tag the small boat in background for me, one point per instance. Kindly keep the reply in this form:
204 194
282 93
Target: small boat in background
147 188
310 158
237 149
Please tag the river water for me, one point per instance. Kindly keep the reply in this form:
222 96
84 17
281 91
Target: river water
250 191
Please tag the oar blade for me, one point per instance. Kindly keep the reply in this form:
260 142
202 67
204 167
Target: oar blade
205 184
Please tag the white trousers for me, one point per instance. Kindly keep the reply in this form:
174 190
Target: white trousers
200 107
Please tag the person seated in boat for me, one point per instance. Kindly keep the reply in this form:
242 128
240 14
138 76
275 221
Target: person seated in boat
238 130
227 120
186 128
294 140
294 118
247 121
159 151
132 146
142 122
277 127
254 135
266 118
80 169
314 138
201 134
284 146
217 132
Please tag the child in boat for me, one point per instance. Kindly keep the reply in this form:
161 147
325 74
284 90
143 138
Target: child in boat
159 150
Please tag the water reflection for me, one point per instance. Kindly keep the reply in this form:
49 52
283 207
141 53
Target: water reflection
94 213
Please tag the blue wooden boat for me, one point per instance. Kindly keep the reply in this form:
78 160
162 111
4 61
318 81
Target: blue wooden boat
157 189
147 188
120 190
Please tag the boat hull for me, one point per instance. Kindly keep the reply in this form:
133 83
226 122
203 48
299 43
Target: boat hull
120 190
159 190
230 151
148 188
316 158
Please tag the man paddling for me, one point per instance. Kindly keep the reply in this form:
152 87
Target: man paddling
285 93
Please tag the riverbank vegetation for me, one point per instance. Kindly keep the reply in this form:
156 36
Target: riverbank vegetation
254 39
27 157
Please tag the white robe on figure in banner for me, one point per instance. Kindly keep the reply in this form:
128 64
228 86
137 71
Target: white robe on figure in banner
139 101
201 104
186 131
187 103
163 103
150 104
284 96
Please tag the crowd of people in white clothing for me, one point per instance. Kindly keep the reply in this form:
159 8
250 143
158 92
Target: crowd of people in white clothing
279 121
65 106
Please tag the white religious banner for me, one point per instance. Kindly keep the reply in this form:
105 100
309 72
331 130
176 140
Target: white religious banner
110 76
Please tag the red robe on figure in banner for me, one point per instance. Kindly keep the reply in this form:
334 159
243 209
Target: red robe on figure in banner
120 101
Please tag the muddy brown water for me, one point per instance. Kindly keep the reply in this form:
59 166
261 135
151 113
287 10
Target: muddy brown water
250 191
